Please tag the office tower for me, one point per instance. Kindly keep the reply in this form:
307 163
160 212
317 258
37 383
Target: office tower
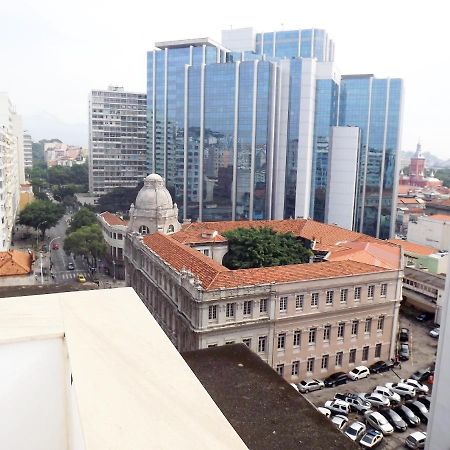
28 151
117 139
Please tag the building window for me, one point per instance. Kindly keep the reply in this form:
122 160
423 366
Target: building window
247 342
310 365
262 343
144 230
283 304
377 350
281 341
339 359
212 312
205 251
355 328
380 325
312 335
247 307
383 290
365 353
263 305
370 291
280 369
299 301
330 295
229 342
297 337
326 332
212 345
295 367
315 299
341 328
230 310
324 364
368 326
357 293
352 356
344 295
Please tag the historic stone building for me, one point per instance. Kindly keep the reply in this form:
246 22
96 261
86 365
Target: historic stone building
305 319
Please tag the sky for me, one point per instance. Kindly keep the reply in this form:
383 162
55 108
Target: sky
54 52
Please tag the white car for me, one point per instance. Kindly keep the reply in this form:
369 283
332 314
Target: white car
379 422
358 373
371 439
355 430
338 406
325 411
391 395
434 333
417 385
402 389
339 421
416 439
311 384
376 399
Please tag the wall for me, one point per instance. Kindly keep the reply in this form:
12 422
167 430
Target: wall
435 233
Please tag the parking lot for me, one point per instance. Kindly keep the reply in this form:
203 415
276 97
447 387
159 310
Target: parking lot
423 349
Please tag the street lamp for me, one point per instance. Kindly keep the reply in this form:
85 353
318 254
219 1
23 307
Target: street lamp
42 275
114 270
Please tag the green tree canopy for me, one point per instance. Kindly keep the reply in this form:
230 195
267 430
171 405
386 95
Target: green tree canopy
444 175
83 217
263 247
119 199
41 215
87 241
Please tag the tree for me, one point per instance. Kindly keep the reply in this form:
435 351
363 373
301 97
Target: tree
263 247
81 218
86 241
444 175
41 215
119 199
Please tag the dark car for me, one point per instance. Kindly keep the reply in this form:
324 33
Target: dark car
336 379
422 374
404 335
381 366
71 266
404 352
423 317
394 419
426 401
407 415
419 409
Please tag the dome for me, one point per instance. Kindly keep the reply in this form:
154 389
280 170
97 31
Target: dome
154 194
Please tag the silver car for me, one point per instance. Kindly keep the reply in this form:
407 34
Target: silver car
309 385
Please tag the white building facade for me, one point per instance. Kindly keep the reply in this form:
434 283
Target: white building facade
431 230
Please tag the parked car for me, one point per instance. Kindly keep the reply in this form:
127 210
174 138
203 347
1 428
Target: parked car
340 421
417 385
404 390
416 439
311 384
422 374
376 399
403 354
338 406
371 439
419 410
325 411
356 403
391 395
407 415
379 422
425 401
358 373
423 317
394 419
404 335
71 266
355 430
381 366
434 333
336 379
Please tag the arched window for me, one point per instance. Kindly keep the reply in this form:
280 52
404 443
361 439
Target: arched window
143 229
170 229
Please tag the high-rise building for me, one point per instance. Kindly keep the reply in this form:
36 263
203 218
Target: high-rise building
243 130
27 151
117 139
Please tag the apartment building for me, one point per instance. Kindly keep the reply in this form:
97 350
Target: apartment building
27 151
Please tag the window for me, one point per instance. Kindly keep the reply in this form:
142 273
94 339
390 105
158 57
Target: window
315 299
310 365
212 312
341 328
144 230
263 305
230 310
380 325
283 303
262 343
344 295
357 293
324 364
365 355
281 341
383 291
352 356
339 358
377 350
212 345
229 342
354 328
297 337
326 332
368 326
247 342
370 291
330 295
312 335
205 251
247 307
295 367
299 301
280 369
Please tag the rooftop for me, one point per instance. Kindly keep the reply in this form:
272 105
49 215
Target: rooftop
113 219
440 217
195 42
14 262
411 247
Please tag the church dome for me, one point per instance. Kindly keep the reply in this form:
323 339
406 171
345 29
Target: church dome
154 194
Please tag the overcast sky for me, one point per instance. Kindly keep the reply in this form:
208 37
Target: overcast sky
54 52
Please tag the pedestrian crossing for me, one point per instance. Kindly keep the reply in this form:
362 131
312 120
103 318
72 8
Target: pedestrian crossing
70 275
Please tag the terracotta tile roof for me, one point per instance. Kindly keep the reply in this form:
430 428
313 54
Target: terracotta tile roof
112 219
441 217
15 262
198 236
443 202
410 201
424 250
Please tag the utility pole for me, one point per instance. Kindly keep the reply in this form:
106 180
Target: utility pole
42 275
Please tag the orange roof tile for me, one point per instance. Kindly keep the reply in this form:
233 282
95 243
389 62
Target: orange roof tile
112 219
198 237
15 262
441 217
414 248
442 202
